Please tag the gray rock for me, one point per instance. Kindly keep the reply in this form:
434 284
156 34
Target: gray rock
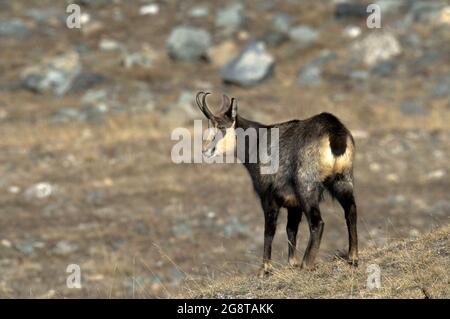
279 32
413 108
425 11
46 14
65 115
39 191
188 43
94 3
199 11
64 247
346 10
14 28
282 22
304 36
231 18
235 227
182 231
93 96
385 68
86 80
375 48
442 87
250 67
94 113
390 6
25 247
139 59
310 75
359 75
56 75
109 45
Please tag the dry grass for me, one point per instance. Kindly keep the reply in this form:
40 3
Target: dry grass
416 268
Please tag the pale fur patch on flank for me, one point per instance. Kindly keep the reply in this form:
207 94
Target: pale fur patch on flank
332 165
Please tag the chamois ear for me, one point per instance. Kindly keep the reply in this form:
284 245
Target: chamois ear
232 109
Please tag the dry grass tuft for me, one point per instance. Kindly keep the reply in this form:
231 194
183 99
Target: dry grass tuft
416 268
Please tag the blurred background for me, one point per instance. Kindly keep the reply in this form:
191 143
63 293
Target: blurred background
86 115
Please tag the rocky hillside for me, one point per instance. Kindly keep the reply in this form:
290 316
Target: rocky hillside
86 117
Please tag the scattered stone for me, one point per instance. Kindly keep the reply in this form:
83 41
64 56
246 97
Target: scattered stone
282 22
65 115
304 36
375 48
385 68
310 75
435 175
426 11
64 247
199 11
352 31
143 58
25 247
6 243
94 3
251 66
40 190
350 10
55 75
359 75
109 45
94 113
231 18
86 80
389 6
182 231
14 189
279 32
46 15
14 28
442 87
188 44
93 96
235 227
413 108
150 9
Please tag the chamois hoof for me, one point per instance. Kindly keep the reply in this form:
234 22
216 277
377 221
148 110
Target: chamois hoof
352 262
265 271
305 266
294 263
345 257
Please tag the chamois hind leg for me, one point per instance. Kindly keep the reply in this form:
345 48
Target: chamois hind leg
293 220
310 205
271 210
342 190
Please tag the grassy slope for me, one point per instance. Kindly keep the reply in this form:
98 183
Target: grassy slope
416 268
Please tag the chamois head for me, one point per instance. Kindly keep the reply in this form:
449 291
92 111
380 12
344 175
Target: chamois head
222 136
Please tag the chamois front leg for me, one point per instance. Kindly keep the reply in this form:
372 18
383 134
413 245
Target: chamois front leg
271 210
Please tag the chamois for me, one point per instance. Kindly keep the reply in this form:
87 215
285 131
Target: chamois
315 154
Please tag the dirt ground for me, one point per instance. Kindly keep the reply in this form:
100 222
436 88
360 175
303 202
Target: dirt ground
139 225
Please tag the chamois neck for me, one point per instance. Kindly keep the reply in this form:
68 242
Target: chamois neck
244 123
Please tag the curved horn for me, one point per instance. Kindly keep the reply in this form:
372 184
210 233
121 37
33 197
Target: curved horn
225 103
206 110
197 99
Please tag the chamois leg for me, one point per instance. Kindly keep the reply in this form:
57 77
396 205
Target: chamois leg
315 236
343 191
293 220
271 210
